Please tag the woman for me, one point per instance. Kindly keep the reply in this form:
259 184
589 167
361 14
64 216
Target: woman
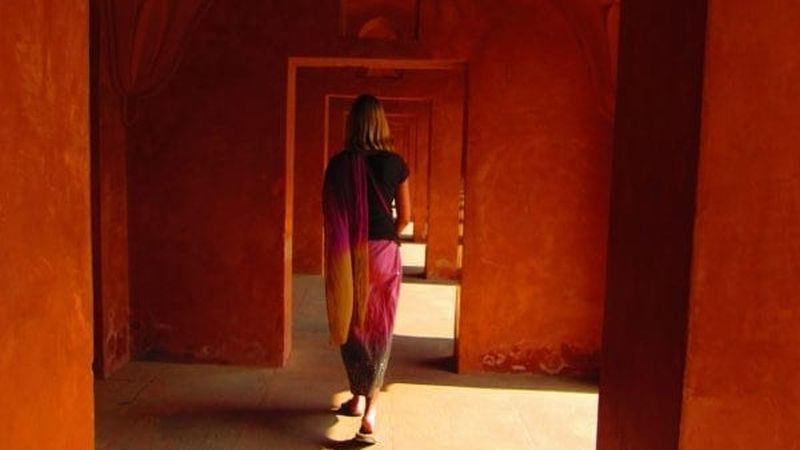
362 259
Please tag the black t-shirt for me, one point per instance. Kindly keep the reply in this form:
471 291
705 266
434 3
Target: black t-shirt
388 170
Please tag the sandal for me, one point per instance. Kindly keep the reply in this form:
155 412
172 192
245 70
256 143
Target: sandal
365 438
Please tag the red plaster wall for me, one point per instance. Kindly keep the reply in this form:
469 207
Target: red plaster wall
109 217
46 314
209 244
420 175
310 158
741 387
398 15
444 179
652 214
536 193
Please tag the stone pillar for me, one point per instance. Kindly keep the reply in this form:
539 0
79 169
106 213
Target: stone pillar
700 334
536 201
743 355
46 396
447 139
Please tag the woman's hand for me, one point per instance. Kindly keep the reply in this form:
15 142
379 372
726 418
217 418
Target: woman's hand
403 200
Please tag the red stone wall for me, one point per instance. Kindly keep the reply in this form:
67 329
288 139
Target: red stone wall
46 397
207 186
537 180
743 356
310 158
444 179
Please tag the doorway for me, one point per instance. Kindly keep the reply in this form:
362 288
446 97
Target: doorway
424 102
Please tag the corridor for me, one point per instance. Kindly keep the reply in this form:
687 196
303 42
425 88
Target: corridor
603 190
154 406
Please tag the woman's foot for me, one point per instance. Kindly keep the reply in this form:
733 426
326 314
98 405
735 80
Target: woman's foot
371 413
366 427
353 407
366 433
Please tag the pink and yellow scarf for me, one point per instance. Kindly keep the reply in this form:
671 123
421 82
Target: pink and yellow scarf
346 242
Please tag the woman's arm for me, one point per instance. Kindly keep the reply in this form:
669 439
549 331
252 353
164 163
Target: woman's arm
403 207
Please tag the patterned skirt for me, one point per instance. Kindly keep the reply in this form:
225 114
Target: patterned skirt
366 352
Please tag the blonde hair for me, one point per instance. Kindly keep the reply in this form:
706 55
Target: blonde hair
367 127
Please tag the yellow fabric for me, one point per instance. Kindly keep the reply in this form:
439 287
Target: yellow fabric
346 289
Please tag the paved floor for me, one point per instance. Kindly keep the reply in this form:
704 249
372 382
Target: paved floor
156 406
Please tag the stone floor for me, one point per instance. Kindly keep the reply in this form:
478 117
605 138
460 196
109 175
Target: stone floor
155 406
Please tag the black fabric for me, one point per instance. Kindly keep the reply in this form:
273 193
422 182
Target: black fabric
389 170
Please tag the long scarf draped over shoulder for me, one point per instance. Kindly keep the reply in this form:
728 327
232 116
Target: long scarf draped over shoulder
345 211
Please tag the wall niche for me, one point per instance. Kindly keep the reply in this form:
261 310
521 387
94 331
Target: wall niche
387 20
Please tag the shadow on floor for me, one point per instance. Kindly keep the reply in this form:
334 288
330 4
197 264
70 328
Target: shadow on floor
410 275
413 271
294 424
347 444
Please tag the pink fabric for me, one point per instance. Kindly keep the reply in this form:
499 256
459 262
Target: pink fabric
366 352
385 277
